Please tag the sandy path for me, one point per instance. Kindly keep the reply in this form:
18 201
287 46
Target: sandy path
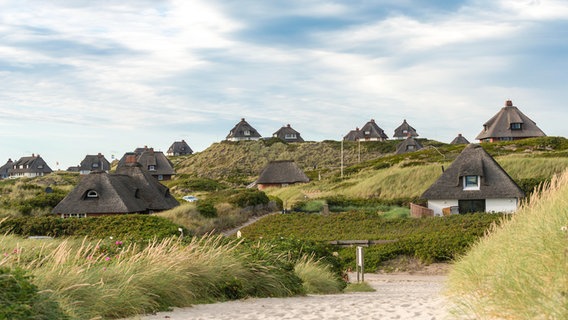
397 297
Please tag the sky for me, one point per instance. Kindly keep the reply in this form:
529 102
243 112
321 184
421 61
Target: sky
80 77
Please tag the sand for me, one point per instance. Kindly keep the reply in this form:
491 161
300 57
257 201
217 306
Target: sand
397 296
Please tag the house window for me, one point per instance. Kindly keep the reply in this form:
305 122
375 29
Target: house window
151 168
290 136
367 133
247 133
91 194
471 183
40 166
405 131
410 148
160 177
95 165
74 215
506 139
516 126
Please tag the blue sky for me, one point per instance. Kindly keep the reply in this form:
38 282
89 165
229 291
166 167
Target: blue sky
81 77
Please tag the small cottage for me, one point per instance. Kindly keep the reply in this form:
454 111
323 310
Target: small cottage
353 135
179 148
404 130
408 145
459 140
243 131
372 132
94 163
288 134
130 190
474 182
29 167
509 124
281 173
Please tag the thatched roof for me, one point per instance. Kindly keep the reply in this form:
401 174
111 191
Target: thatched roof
288 134
353 135
243 130
372 131
408 145
33 164
404 130
459 140
4 169
153 161
130 190
179 148
509 123
94 162
282 172
474 161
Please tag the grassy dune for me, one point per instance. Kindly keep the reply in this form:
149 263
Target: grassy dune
519 271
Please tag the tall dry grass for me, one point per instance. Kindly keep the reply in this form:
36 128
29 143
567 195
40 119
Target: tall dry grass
96 280
519 271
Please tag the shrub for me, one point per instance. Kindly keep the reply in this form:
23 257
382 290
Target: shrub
206 208
202 184
249 197
317 278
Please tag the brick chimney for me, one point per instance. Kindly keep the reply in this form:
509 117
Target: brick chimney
508 103
130 159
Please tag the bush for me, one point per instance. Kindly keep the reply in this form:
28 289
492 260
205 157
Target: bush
206 209
249 197
202 184
19 298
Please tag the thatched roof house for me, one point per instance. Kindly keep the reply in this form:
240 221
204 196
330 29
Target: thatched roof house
353 135
281 173
243 131
179 148
372 132
94 163
459 140
288 134
129 190
404 130
408 145
509 124
474 182
30 167
155 162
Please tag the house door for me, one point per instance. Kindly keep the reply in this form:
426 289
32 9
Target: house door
469 206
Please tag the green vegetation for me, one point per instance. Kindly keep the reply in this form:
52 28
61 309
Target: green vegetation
358 287
429 239
519 270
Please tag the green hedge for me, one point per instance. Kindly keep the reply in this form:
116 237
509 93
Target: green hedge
125 227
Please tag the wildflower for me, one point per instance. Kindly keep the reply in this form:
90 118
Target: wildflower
118 243
107 258
564 229
110 237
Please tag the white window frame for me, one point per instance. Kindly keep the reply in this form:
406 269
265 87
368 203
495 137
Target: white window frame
151 168
470 186
92 194
246 132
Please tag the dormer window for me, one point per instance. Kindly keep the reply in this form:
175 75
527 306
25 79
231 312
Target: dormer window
410 148
367 133
471 183
95 165
516 126
405 131
290 136
40 166
92 194
151 168
246 132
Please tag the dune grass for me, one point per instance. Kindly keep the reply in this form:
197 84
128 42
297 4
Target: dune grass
519 270
317 278
107 280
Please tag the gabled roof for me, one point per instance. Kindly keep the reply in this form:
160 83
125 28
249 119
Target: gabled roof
408 145
94 162
372 131
404 130
281 171
33 164
179 148
474 161
286 133
243 130
499 126
353 135
459 140
130 190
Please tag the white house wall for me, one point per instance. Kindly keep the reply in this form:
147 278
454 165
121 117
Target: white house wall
501 205
438 205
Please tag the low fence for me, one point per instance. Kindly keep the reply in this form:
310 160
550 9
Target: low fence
359 243
417 211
